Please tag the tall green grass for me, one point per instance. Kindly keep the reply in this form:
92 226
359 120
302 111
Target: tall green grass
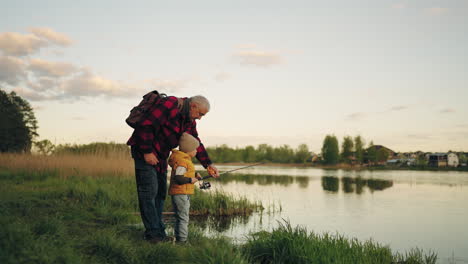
286 244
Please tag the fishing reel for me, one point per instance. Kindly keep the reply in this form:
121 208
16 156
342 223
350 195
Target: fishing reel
204 185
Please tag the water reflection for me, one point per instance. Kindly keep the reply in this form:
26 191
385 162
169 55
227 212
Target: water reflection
250 179
354 185
220 223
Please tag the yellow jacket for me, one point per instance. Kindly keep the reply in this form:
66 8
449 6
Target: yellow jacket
179 158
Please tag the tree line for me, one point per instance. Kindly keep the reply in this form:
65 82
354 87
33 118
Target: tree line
352 150
18 129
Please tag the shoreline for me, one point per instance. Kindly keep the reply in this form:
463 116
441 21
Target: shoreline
345 166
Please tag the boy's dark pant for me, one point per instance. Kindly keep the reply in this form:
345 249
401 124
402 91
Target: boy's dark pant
151 187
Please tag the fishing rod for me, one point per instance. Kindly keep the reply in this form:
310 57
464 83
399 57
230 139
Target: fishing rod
256 164
206 185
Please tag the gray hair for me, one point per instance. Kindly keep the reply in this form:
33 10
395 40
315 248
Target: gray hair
200 101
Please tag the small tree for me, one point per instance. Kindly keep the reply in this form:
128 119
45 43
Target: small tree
302 153
359 148
382 155
371 153
44 147
347 149
330 150
18 124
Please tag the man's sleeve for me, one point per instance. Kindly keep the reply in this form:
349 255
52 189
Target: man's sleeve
202 155
152 123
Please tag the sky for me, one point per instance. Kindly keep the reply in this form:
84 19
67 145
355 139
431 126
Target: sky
276 72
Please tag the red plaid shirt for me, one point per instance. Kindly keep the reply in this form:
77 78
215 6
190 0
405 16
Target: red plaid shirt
161 131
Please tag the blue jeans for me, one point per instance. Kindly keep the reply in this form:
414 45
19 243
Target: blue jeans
151 188
181 204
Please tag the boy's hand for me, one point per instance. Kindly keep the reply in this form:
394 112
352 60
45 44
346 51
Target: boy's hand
213 171
198 176
194 180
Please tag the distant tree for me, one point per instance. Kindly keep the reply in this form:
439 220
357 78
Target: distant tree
330 150
302 154
44 147
18 124
347 149
382 155
371 153
264 152
283 154
249 154
462 158
359 148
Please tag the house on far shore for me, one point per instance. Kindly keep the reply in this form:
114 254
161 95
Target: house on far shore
443 159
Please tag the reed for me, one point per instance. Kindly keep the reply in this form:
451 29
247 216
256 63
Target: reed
286 244
67 165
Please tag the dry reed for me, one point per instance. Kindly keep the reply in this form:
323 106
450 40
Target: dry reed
70 165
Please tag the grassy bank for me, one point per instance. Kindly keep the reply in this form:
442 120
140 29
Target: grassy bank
72 210
50 219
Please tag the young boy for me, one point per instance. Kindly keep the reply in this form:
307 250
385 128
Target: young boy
183 177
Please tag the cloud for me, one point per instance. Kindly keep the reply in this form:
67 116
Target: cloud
222 76
436 11
16 44
33 95
52 36
355 116
77 118
447 111
87 84
12 70
258 58
80 85
51 69
42 84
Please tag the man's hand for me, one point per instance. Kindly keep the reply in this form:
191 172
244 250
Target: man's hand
213 171
151 159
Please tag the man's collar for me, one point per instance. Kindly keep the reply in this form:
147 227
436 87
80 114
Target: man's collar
184 107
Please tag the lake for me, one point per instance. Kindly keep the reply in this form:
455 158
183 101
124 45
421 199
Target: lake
402 209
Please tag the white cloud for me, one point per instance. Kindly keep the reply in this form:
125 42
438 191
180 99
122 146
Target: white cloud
12 70
51 35
87 84
258 58
33 95
42 84
51 69
16 44
222 76
436 11
82 84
